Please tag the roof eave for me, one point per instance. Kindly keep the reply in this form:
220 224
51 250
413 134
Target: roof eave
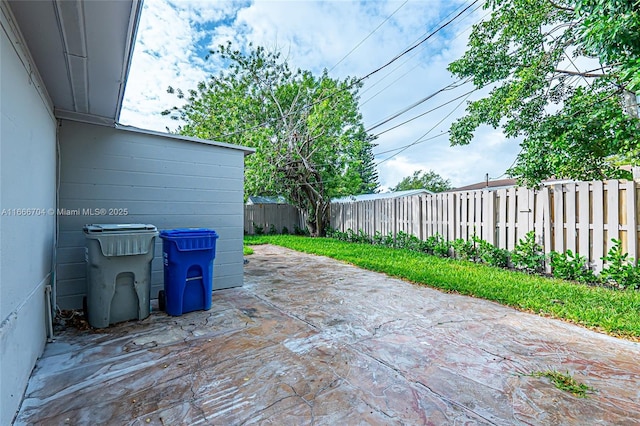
132 32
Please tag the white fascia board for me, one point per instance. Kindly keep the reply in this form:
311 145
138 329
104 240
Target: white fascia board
246 150
132 31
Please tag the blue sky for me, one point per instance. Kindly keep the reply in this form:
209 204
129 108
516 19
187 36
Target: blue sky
175 36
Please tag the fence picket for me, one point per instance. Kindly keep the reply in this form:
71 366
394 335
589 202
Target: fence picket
598 225
632 220
584 220
570 216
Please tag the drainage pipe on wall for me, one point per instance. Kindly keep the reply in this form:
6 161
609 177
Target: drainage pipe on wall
47 293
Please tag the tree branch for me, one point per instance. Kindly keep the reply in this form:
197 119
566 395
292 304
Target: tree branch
557 6
581 74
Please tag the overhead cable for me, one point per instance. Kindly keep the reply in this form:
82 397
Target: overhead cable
370 34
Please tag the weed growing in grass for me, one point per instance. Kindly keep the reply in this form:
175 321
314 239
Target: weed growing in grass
565 382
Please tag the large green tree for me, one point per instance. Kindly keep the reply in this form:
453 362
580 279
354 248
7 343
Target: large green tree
564 75
308 132
430 181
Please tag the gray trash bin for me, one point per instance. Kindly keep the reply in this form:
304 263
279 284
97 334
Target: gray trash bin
118 258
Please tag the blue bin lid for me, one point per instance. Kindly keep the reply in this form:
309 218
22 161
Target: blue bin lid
191 239
187 233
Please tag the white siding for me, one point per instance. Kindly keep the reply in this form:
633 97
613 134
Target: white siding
163 181
27 180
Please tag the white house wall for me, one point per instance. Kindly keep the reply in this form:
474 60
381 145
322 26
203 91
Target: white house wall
159 180
27 181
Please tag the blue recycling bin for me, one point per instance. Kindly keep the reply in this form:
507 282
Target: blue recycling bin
188 269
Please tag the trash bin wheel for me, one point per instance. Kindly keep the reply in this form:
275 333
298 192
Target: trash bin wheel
161 300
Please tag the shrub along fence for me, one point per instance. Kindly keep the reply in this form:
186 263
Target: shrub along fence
272 218
583 217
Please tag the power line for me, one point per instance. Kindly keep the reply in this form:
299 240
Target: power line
370 34
359 80
419 140
425 113
401 54
450 86
408 71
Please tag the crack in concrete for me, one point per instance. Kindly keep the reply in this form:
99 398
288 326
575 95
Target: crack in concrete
262 410
282 311
378 327
309 403
440 396
379 410
454 402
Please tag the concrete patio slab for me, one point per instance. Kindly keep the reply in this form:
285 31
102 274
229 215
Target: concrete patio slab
309 340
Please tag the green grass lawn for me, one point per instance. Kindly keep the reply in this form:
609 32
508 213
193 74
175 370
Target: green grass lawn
610 311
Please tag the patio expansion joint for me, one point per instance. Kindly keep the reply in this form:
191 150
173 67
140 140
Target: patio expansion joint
423 385
254 415
282 311
453 402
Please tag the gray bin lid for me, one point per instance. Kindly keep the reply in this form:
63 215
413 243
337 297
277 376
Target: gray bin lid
126 239
118 227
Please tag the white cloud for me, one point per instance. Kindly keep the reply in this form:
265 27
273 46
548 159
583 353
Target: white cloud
174 36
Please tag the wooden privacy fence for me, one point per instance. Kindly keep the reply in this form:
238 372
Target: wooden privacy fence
278 215
579 216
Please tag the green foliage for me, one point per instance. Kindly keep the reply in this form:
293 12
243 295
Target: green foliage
465 249
570 266
408 241
620 271
490 254
258 229
610 30
615 312
441 247
299 231
309 136
565 382
528 255
285 230
574 123
246 251
273 230
430 181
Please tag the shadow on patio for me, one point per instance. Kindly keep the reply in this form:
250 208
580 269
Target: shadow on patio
309 340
